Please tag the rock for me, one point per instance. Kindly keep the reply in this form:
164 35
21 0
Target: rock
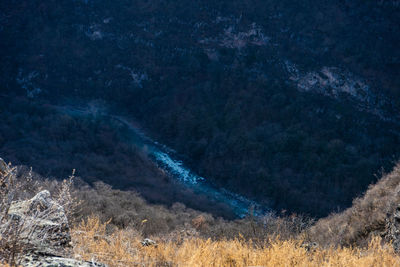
44 236
44 225
148 242
309 246
52 261
393 229
4 169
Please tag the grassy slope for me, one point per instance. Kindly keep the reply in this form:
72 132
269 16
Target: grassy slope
190 238
367 215
345 239
123 248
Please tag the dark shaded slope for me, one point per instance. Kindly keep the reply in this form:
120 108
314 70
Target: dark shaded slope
211 79
55 143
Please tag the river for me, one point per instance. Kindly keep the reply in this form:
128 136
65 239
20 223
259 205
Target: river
168 160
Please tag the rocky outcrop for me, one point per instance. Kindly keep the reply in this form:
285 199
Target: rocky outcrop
147 242
44 225
3 167
37 260
392 233
42 231
337 83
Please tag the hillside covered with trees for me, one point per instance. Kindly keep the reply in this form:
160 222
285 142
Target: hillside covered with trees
293 104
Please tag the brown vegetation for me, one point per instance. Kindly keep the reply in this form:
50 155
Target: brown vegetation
123 248
367 216
128 209
112 224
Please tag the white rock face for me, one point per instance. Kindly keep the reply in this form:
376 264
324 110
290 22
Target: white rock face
329 81
337 83
231 37
392 232
43 232
234 39
3 167
332 81
33 260
44 225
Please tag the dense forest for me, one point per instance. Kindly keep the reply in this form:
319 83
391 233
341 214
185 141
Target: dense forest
294 104
37 134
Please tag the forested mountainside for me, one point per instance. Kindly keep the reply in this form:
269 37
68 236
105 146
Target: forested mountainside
292 103
58 142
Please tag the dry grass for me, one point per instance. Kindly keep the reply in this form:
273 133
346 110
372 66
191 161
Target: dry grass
20 228
127 209
365 218
123 248
345 239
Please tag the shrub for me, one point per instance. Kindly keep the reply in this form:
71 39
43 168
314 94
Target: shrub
123 248
366 217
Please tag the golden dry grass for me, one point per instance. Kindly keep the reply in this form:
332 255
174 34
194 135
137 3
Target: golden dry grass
366 217
123 248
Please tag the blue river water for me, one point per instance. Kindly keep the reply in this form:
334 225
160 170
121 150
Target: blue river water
166 159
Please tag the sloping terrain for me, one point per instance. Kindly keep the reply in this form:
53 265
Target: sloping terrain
293 103
113 227
375 213
54 143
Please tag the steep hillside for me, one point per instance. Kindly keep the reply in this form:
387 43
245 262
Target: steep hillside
291 102
54 143
375 213
119 228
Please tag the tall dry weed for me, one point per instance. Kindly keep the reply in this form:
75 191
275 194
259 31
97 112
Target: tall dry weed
123 248
17 231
